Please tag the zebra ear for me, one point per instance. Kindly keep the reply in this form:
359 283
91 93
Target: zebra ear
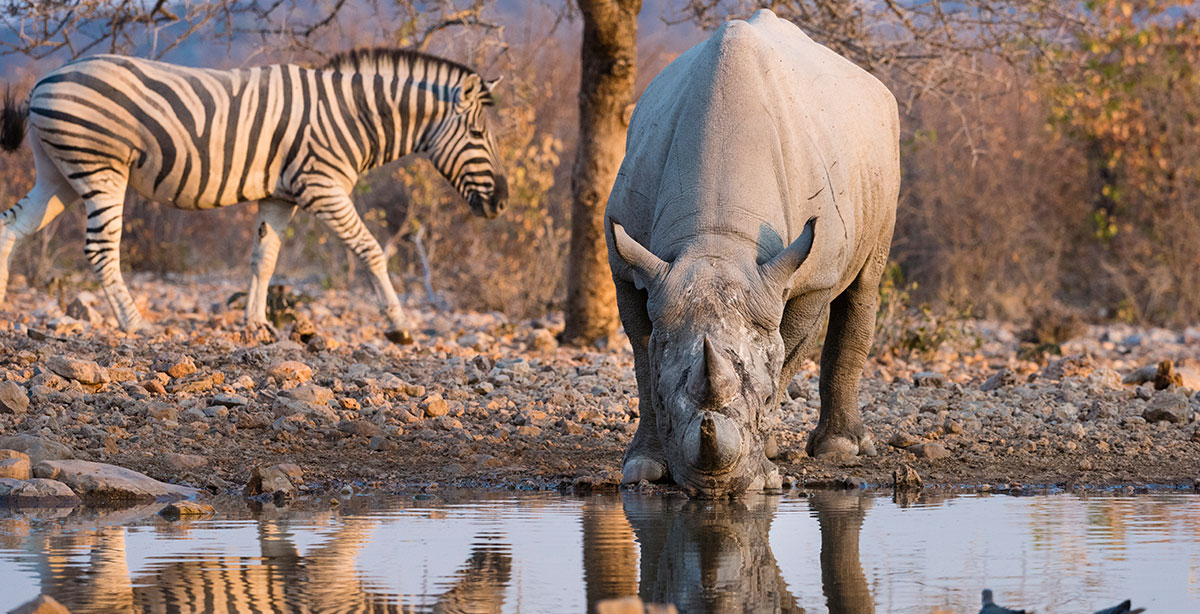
489 86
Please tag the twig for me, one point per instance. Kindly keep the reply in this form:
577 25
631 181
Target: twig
426 276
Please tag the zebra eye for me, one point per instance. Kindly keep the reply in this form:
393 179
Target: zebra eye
477 134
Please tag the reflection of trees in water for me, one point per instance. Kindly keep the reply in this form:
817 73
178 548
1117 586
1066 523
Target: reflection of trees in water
280 580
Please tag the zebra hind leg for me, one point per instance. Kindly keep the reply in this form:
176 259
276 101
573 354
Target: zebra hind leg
273 218
102 247
338 213
48 198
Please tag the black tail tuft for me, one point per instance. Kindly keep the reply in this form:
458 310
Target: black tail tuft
12 121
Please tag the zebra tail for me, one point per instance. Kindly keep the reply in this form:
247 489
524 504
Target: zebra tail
12 121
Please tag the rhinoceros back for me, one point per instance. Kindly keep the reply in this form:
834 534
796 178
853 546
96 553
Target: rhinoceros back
753 132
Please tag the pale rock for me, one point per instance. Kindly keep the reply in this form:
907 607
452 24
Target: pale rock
82 371
100 482
13 399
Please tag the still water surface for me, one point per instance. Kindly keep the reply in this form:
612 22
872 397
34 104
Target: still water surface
489 552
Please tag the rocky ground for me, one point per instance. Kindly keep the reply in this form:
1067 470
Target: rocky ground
481 400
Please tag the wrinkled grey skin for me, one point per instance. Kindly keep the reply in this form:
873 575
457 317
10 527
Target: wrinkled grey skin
757 196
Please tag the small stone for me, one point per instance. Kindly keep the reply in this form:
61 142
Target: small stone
541 340
15 468
256 420
186 509
476 341
360 428
906 478
1141 375
952 427
229 400
1169 407
270 481
903 439
529 430
184 462
309 393
928 379
82 371
291 371
84 312
1166 377
795 389
350 404
930 451
43 604
1001 378
13 399
379 443
318 343
435 406
448 423
174 364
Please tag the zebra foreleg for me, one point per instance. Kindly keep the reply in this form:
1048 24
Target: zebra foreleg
102 247
338 213
273 218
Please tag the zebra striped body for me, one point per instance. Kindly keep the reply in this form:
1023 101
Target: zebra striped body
282 134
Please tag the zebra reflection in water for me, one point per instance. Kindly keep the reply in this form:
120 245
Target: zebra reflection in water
280 580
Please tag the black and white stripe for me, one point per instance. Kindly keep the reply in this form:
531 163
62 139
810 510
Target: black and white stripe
285 135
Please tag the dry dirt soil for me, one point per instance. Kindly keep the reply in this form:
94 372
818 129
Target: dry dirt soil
481 400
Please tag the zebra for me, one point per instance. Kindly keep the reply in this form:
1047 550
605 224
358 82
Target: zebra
285 135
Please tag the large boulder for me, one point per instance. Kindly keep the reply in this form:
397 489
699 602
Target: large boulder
99 482
36 492
38 449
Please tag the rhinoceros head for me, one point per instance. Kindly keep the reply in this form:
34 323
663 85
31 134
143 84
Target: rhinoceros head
715 354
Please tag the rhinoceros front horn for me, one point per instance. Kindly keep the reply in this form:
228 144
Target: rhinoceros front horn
712 443
713 382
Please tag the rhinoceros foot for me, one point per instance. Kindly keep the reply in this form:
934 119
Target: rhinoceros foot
638 468
826 443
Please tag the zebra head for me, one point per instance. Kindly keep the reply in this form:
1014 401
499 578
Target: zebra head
462 147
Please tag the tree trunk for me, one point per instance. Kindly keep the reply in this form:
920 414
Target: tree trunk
609 62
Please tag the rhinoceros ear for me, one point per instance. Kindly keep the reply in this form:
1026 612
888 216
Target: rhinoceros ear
646 267
778 271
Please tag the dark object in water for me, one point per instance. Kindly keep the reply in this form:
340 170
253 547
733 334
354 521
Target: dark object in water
990 607
1125 607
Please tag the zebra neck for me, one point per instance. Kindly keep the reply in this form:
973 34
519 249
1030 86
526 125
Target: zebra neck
412 103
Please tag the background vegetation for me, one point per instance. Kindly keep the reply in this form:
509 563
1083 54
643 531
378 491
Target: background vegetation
1051 159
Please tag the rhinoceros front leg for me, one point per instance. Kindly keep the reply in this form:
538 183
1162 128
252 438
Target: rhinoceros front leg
644 460
840 428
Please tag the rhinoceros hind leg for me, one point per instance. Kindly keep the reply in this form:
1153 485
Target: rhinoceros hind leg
840 429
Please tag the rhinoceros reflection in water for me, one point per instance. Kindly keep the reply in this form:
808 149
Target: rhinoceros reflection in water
280 580
707 557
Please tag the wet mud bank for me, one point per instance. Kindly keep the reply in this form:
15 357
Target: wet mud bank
483 401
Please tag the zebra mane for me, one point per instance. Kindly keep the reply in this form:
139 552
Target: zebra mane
386 60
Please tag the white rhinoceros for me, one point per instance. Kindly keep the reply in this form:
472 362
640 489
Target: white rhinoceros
757 195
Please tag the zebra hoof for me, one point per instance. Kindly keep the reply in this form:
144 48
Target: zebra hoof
400 336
